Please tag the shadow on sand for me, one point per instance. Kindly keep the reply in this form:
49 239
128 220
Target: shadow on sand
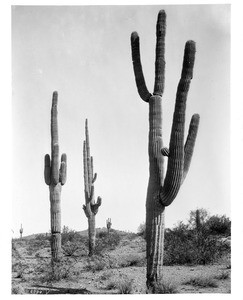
41 289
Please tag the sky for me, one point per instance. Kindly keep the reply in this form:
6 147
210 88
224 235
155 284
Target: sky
84 53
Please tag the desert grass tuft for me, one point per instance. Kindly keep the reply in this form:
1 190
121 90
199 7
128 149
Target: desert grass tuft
164 287
202 282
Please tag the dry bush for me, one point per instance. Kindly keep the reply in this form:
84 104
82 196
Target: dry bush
49 271
201 281
164 287
123 285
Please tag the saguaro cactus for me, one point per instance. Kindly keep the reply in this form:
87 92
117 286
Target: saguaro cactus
21 231
108 225
55 177
91 207
162 191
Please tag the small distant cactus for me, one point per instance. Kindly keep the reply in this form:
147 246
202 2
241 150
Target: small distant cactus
21 230
55 177
91 207
108 225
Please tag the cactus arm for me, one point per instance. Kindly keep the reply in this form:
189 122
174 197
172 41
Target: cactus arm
190 143
175 167
63 169
137 67
95 207
160 54
47 170
94 178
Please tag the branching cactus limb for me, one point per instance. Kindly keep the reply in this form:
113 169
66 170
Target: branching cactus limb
91 207
162 191
55 177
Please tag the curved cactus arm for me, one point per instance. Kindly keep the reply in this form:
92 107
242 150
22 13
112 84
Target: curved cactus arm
92 167
94 178
47 170
63 169
160 54
175 166
86 211
137 67
95 207
190 143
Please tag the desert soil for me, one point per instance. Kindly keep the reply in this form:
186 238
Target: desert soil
81 280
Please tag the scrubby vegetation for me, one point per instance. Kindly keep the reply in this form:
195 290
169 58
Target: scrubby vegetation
202 240
119 261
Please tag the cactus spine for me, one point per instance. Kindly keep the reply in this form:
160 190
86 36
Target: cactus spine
162 191
55 177
91 207
108 225
21 230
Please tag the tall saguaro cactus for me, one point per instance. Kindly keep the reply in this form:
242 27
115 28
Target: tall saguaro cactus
162 191
91 207
55 177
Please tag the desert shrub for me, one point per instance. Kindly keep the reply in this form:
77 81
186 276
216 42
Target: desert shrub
20 267
73 243
106 275
50 271
222 276
201 281
69 235
18 289
131 260
124 285
43 237
194 244
37 244
69 248
96 263
141 230
106 242
219 225
164 287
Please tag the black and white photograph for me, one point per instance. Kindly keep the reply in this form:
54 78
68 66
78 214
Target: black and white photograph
121 149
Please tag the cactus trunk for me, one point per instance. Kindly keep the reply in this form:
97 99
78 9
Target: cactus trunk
91 207
92 233
154 209
55 177
162 191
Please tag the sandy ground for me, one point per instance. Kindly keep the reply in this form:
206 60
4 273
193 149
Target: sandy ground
80 279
